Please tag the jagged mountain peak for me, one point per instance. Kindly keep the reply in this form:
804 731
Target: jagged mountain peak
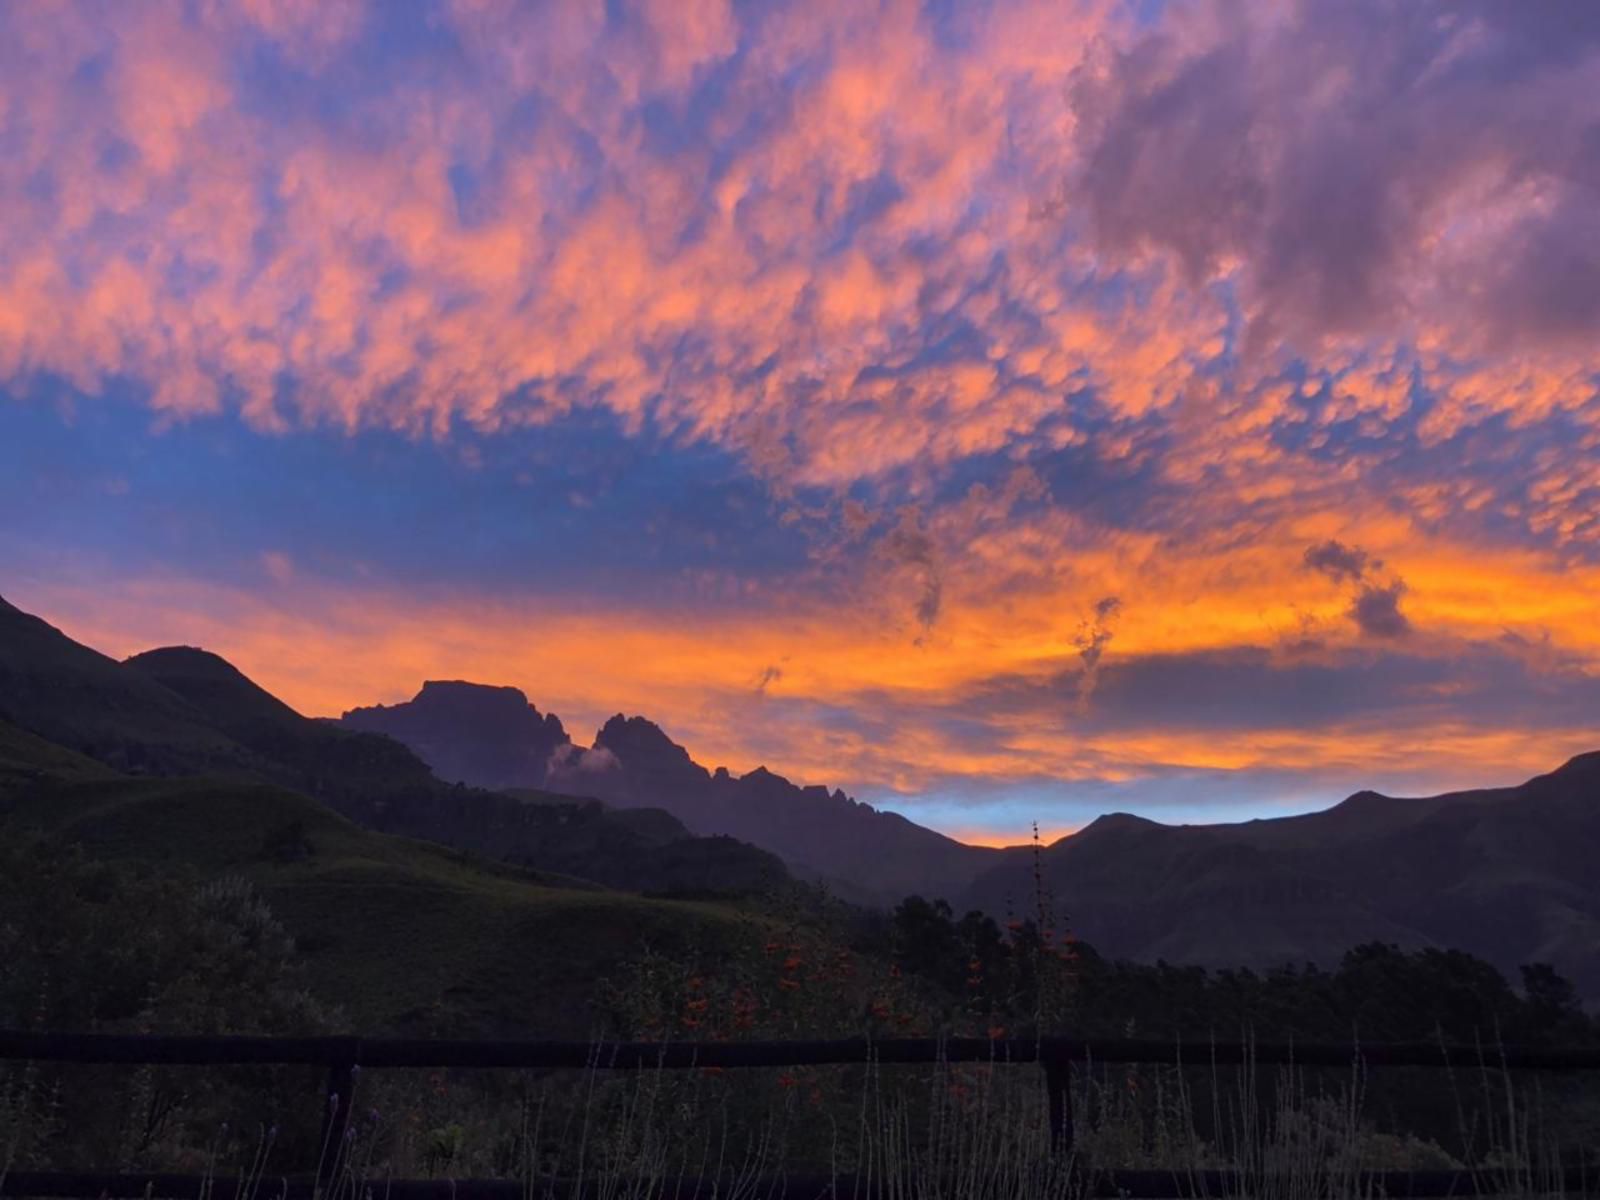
474 733
639 742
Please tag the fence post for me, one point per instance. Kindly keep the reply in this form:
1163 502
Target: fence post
337 1107
1058 1087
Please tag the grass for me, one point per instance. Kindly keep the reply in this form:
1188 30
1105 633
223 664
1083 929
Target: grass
946 1132
402 935
25 758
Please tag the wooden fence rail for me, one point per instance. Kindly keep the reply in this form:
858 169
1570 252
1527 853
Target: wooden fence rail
1120 1184
344 1057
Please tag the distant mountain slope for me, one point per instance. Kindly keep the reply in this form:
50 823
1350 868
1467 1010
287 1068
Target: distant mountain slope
492 737
180 711
1507 873
876 854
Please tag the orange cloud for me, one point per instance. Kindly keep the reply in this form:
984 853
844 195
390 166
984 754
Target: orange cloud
1182 312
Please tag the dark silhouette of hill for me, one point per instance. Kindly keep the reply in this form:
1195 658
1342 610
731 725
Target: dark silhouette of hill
181 711
347 769
78 698
1506 873
492 737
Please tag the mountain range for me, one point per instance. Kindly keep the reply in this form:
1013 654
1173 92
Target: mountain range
1508 873
1505 873
183 712
492 737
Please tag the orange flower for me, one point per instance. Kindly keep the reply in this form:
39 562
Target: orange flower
713 1070
996 1032
787 1080
791 963
694 983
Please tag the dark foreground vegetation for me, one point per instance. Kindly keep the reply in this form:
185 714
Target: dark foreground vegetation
131 946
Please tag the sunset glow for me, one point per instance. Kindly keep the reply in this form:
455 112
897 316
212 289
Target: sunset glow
1003 411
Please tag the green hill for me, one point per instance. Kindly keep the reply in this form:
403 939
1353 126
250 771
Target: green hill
400 934
25 758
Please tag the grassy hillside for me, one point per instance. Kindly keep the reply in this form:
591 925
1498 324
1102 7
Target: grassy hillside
25 758
403 935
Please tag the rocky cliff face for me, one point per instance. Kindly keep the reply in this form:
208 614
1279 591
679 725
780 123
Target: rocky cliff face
491 737
488 737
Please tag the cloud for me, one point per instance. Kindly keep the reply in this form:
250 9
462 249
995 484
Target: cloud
1233 136
814 235
1338 561
1376 610
980 315
1375 607
909 544
1091 640
570 761
278 566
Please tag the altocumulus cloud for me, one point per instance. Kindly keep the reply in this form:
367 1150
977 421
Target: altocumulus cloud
1021 305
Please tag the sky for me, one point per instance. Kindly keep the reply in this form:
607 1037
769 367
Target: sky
1005 411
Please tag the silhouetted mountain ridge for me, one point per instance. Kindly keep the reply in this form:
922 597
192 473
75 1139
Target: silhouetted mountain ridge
1506 873
488 737
865 854
180 711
